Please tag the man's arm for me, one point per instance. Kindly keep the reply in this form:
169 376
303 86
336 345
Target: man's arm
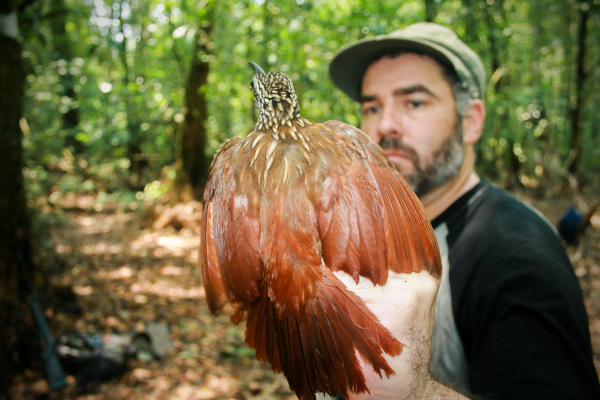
525 328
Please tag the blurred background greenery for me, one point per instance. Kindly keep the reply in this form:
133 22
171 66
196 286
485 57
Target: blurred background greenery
120 94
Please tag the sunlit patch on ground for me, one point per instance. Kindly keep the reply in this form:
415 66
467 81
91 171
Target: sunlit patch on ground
171 270
120 273
177 245
164 289
95 224
83 290
101 248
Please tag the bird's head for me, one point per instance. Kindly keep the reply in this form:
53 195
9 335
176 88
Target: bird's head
274 98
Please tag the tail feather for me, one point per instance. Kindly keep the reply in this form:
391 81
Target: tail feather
261 332
317 350
333 356
335 381
271 342
302 364
364 329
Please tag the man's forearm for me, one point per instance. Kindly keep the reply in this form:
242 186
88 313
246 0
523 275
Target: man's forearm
435 390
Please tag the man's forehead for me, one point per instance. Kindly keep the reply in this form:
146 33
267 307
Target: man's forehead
401 59
404 72
407 53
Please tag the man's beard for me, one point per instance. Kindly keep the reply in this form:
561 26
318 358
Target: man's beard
445 163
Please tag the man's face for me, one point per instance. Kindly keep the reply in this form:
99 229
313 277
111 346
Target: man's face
409 109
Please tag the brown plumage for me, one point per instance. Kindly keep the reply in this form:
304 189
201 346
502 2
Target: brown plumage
286 206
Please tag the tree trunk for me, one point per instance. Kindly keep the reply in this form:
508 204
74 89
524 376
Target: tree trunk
576 108
430 10
194 161
61 47
268 21
491 27
472 20
250 54
134 144
14 221
538 43
498 48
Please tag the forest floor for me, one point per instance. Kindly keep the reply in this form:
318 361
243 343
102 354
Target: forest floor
131 268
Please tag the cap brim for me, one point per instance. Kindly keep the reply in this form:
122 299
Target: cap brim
349 65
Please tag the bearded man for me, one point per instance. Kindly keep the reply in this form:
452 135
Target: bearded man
510 321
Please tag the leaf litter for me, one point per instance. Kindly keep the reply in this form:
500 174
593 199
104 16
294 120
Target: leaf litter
129 269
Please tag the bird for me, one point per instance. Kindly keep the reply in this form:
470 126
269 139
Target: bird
286 207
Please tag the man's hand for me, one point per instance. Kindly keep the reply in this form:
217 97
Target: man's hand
405 305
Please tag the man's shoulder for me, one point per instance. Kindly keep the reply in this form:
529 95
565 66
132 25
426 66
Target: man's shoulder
502 219
507 245
503 238
514 296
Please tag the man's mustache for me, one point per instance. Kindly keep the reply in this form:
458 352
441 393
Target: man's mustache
391 142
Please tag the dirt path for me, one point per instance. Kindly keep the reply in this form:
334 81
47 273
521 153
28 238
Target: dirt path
126 277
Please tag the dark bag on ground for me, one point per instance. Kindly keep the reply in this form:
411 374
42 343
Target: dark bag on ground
92 358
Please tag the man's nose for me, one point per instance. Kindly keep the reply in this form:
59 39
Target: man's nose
390 122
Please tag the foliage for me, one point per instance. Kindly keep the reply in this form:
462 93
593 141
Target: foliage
129 60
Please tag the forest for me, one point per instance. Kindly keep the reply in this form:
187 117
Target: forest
111 112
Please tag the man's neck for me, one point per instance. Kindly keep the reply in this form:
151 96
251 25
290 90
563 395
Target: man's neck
439 199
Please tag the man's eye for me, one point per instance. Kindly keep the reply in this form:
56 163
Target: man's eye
371 110
415 104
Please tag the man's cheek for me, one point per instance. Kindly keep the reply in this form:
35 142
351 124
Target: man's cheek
405 166
371 132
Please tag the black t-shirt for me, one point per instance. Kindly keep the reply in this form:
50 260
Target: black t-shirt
515 326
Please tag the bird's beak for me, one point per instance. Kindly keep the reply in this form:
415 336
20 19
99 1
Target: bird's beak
257 69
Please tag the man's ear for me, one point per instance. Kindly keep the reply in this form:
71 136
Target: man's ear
473 122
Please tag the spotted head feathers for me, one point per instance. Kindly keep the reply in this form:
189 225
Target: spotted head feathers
274 98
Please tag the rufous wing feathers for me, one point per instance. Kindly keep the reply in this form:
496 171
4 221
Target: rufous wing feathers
364 220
